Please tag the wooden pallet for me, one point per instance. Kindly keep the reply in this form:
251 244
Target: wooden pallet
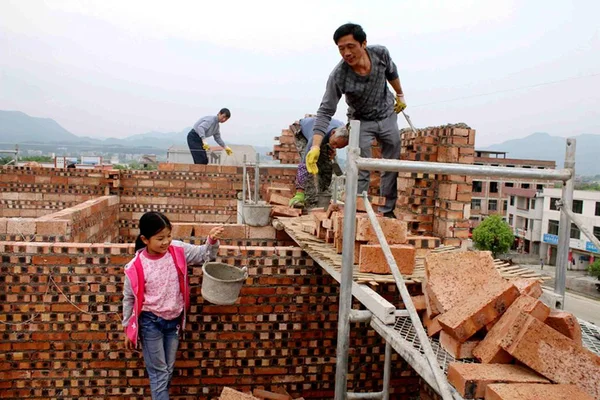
325 252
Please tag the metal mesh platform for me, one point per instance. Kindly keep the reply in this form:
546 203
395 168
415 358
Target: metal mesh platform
590 335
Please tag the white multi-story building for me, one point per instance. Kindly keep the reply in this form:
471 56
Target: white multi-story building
534 218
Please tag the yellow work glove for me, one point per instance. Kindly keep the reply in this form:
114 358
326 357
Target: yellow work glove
206 147
228 150
400 104
311 160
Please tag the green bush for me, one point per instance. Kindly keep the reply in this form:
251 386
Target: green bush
594 269
493 234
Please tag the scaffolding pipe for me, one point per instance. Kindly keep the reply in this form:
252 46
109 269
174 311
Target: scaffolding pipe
360 316
387 371
256 178
372 395
575 219
244 172
371 164
349 233
564 227
441 381
264 165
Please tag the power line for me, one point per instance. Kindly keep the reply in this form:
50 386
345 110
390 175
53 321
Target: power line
508 90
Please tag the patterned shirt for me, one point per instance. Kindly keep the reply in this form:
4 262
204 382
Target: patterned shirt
207 127
163 295
368 97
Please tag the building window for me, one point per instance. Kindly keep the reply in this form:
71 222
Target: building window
509 184
510 219
525 185
539 188
510 166
532 204
597 208
477 186
493 187
575 232
476 204
526 166
597 232
505 205
530 226
493 205
553 201
512 200
578 206
553 227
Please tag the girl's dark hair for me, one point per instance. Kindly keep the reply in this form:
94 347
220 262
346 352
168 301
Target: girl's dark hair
225 112
350 29
151 223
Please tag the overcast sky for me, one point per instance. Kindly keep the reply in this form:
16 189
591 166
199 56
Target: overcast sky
117 68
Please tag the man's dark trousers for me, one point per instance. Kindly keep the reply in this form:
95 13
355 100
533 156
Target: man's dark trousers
195 143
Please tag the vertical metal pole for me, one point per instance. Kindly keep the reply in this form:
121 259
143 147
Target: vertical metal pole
387 371
343 338
335 189
256 178
564 227
244 172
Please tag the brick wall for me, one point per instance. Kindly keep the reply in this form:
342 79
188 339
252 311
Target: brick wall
282 332
91 221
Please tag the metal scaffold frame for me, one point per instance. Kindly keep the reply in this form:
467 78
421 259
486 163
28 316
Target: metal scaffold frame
429 368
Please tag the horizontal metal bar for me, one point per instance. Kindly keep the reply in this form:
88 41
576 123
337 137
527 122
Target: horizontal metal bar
374 395
360 315
282 166
374 164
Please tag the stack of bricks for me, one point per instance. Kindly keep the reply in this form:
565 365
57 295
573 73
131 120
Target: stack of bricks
285 151
92 221
453 201
436 203
479 314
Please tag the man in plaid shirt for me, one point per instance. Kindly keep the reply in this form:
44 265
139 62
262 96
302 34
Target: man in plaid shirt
363 76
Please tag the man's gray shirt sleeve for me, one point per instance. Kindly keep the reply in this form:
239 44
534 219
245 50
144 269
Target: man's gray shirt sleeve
218 139
202 126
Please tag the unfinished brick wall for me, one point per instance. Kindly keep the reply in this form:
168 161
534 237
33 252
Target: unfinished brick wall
282 332
91 221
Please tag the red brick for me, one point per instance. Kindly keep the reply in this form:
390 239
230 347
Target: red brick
457 349
454 277
553 355
432 325
489 350
529 286
470 379
373 260
565 323
231 394
419 303
534 391
276 198
284 211
480 308
393 229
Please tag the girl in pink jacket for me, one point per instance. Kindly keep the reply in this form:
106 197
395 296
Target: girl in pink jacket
156 295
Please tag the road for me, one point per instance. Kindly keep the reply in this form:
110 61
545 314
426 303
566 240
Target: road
583 307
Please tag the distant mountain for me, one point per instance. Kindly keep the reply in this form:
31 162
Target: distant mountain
15 125
30 132
542 146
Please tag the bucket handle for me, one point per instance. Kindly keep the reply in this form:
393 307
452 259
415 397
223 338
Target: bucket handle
245 271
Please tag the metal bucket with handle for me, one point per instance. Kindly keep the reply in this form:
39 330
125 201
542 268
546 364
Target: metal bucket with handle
221 283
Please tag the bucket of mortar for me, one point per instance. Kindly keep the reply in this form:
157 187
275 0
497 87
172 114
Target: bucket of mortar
323 200
221 283
256 214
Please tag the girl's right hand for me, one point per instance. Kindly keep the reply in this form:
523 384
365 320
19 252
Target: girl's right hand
216 232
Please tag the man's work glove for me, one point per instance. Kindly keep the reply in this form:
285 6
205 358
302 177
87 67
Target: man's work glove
311 160
298 200
400 104
228 150
205 146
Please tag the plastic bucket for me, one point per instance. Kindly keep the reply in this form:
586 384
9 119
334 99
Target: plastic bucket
256 214
221 283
